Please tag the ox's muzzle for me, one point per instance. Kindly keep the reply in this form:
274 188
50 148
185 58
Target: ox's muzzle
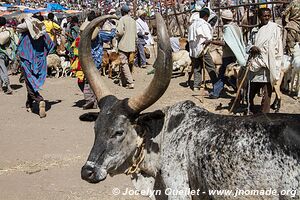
92 174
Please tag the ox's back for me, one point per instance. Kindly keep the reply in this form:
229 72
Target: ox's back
227 152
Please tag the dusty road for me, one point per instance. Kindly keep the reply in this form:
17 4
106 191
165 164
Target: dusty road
42 158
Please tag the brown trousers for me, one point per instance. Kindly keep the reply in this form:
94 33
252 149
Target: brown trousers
127 59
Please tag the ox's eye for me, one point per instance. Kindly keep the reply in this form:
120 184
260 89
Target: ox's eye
118 133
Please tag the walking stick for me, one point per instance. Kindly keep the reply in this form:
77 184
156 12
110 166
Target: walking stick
203 74
239 88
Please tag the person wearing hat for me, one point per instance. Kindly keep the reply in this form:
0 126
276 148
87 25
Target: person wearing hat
5 41
199 32
144 38
126 32
233 50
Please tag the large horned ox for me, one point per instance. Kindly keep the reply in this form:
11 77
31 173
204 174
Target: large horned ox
184 146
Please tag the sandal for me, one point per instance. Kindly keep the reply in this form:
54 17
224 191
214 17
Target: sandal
130 86
42 109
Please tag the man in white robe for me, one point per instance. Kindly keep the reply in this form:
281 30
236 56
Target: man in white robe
265 46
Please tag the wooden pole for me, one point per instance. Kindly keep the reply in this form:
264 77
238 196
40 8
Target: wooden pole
167 22
100 2
273 12
237 97
160 10
250 4
248 12
248 20
219 16
134 7
176 17
256 14
237 13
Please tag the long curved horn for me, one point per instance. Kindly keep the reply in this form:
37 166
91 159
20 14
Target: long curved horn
86 59
163 71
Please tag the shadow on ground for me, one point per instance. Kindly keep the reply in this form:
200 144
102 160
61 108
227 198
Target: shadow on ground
16 86
49 104
79 103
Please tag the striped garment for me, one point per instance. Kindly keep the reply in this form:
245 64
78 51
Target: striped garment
33 60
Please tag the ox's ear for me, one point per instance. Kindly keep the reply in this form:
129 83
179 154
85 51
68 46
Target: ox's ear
89 117
151 122
147 117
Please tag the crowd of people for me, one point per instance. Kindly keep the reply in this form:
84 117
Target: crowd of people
31 38
260 59
26 42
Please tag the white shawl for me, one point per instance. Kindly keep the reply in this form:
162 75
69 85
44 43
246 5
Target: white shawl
35 27
269 41
235 42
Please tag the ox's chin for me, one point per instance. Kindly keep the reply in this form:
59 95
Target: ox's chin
101 175
96 180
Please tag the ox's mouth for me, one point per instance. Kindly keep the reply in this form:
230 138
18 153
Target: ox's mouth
92 173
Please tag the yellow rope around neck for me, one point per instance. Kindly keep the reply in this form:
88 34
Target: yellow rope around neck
137 158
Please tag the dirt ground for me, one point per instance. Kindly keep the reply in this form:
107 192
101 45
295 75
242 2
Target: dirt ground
42 158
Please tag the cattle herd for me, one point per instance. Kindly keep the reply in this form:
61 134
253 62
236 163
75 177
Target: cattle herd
184 146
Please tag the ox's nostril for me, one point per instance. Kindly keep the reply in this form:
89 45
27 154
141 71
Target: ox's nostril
87 172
